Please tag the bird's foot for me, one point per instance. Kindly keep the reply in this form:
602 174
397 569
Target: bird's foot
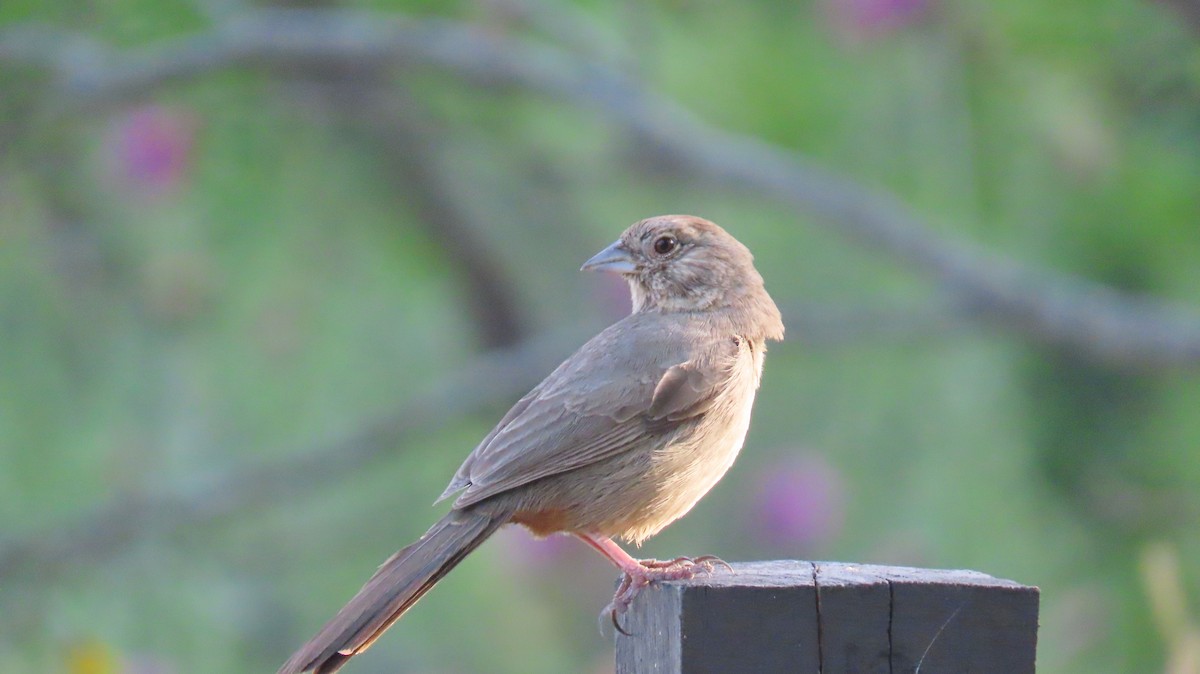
651 570
683 568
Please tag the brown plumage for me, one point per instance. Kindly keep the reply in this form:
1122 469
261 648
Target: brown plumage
618 442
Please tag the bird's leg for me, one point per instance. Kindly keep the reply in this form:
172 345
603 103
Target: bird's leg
639 574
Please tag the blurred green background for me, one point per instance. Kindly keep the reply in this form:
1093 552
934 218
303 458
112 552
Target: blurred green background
266 277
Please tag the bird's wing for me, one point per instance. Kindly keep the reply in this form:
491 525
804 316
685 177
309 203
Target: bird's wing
462 477
621 387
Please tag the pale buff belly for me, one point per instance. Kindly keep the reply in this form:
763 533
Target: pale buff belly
688 470
634 495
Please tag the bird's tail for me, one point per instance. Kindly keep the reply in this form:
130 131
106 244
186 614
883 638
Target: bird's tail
403 579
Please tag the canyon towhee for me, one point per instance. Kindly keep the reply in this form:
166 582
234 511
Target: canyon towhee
619 441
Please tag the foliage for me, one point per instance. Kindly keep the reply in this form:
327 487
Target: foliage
242 269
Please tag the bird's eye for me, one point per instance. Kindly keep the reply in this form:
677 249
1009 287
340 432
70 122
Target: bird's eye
665 244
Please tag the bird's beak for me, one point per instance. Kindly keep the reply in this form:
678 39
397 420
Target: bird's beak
615 259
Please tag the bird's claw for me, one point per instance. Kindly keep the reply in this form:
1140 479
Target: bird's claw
627 589
680 568
710 562
617 622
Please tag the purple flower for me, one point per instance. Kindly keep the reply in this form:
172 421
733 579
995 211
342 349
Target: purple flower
800 504
150 148
862 20
147 664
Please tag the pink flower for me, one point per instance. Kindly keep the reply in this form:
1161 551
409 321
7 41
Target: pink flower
800 504
862 20
150 149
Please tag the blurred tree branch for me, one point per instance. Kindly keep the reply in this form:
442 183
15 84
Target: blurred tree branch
1057 308
386 125
1189 10
489 290
485 381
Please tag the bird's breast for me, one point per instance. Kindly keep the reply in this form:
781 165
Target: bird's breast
698 456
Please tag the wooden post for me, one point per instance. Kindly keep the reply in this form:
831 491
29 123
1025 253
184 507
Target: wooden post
831 618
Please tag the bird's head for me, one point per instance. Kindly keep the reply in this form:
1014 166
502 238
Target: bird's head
682 263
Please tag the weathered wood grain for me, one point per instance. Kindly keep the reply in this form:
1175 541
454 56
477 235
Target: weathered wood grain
831 618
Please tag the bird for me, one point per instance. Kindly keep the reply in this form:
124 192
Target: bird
620 440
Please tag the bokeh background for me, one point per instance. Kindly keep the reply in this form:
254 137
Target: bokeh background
268 273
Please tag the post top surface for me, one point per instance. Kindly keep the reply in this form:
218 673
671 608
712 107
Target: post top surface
794 573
